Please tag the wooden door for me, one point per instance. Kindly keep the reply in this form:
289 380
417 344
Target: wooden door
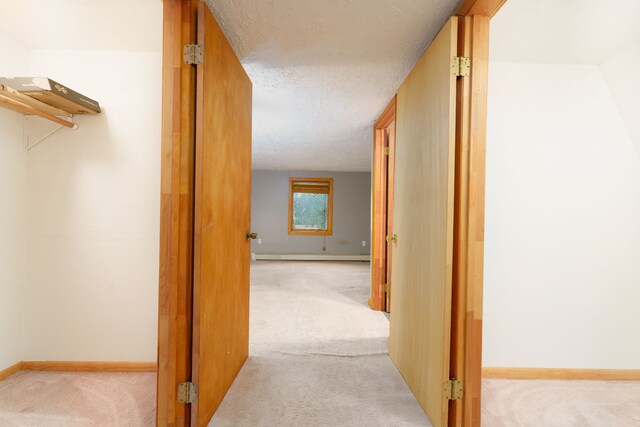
391 159
420 331
222 219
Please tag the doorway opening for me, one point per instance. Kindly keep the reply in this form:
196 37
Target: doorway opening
382 175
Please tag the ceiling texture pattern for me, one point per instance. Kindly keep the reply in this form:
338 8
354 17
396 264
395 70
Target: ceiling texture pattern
323 71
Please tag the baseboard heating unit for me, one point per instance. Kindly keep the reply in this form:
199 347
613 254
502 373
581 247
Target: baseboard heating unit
310 257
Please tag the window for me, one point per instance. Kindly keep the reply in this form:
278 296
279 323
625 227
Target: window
311 206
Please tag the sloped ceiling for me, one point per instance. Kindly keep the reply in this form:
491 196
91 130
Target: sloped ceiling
124 25
323 71
564 32
591 32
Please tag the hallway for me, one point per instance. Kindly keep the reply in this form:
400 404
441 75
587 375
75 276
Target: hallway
317 354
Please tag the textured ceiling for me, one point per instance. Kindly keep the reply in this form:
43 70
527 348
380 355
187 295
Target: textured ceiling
126 25
323 70
566 32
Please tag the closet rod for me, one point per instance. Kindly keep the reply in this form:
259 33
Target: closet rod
29 109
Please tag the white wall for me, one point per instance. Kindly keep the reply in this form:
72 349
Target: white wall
94 213
351 214
621 74
13 185
562 271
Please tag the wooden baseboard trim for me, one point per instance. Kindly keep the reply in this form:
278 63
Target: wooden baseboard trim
561 374
10 370
88 366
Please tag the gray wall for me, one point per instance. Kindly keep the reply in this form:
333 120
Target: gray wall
351 214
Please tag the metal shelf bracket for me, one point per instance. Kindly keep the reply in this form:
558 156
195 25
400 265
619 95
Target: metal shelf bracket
31 141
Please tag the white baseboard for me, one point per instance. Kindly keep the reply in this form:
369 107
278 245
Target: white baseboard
310 257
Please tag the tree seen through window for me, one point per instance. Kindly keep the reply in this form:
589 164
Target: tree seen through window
310 211
310 206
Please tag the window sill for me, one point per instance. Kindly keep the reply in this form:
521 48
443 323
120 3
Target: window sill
311 232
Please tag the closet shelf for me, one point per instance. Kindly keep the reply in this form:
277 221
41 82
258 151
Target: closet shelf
46 98
27 105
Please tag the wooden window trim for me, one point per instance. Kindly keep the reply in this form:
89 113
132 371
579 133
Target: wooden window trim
329 230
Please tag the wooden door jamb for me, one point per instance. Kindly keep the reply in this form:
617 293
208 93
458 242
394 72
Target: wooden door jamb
468 260
377 300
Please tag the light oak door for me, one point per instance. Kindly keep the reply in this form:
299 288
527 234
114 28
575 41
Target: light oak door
420 331
222 219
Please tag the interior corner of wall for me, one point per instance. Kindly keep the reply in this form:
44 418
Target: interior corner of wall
621 84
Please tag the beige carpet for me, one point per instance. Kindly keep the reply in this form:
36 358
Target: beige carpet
318 354
317 358
551 403
52 399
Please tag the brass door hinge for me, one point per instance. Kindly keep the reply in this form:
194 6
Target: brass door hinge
453 389
187 392
192 54
386 151
385 287
392 238
460 66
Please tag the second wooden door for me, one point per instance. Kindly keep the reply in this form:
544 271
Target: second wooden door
222 219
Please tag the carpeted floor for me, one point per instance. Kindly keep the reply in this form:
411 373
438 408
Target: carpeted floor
318 357
318 354
64 399
552 403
